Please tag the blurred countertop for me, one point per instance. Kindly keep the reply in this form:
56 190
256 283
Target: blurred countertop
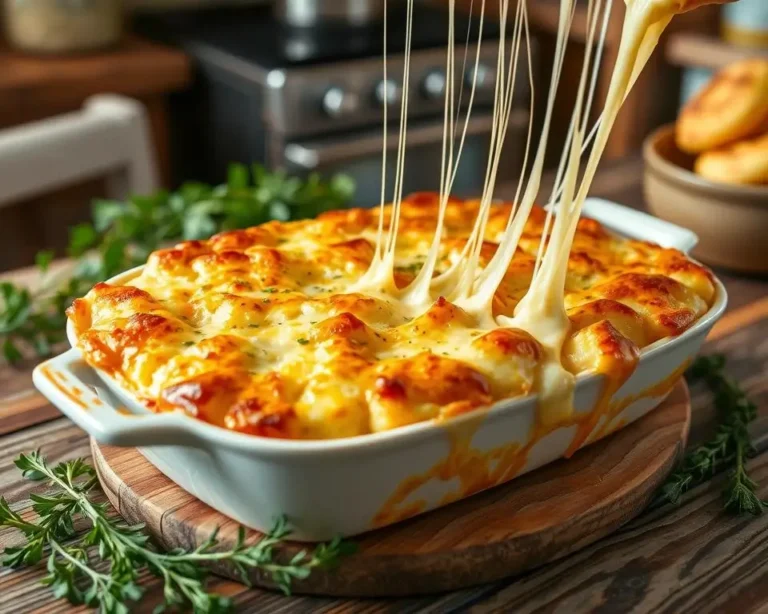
135 67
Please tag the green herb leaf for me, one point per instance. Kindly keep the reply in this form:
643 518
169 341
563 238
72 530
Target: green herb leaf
43 260
237 177
343 186
129 552
728 449
106 213
81 238
199 221
113 258
280 211
11 353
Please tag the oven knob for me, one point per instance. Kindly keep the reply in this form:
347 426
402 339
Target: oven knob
338 103
433 86
485 77
388 92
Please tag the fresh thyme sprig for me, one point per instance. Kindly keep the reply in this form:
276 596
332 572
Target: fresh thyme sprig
729 447
127 550
123 234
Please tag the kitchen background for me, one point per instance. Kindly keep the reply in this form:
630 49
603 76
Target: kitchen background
297 85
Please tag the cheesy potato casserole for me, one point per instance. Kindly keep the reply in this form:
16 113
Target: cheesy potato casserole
257 331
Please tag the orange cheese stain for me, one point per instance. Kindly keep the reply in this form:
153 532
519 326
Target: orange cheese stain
73 394
75 391
659 389
477 470
616 370
59 376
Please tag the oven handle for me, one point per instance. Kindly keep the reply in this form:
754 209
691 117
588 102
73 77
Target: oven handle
311 155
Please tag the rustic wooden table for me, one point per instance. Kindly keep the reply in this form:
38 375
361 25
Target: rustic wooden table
691 558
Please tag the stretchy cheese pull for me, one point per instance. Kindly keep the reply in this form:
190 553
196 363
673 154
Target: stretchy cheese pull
541 312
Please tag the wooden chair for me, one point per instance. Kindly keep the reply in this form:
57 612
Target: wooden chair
109 137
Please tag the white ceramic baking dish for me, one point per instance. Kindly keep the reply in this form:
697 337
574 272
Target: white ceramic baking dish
333 487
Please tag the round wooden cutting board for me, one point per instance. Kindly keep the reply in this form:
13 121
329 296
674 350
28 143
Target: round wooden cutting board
527 522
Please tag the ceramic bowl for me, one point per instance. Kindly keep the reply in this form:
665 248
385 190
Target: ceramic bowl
730 220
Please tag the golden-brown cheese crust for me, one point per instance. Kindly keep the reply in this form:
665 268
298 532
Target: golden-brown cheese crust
256 330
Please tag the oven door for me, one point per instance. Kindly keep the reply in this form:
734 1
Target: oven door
359 156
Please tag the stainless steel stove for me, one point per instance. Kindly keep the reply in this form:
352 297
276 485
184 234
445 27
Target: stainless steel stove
302 88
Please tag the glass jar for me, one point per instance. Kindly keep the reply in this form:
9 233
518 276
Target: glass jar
60 26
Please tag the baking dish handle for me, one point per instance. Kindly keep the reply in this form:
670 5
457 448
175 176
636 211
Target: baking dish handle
58 381
638 225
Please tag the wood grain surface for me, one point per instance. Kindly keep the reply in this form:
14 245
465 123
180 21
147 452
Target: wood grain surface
525 523
690 558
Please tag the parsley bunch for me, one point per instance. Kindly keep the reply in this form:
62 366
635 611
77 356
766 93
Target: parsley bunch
123 234
125 550
729 448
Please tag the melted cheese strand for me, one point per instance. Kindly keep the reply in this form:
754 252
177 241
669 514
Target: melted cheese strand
596 66
466 51
379 278
558 187
399 171
448 118
531 105
542 282
448 282
530 113
493 274
517 221
644 23
541 312
642 60
418 292
467 280
470 104
497 94
480 303
380 233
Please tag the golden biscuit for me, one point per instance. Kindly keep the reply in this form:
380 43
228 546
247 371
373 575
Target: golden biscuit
732 107
743 162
